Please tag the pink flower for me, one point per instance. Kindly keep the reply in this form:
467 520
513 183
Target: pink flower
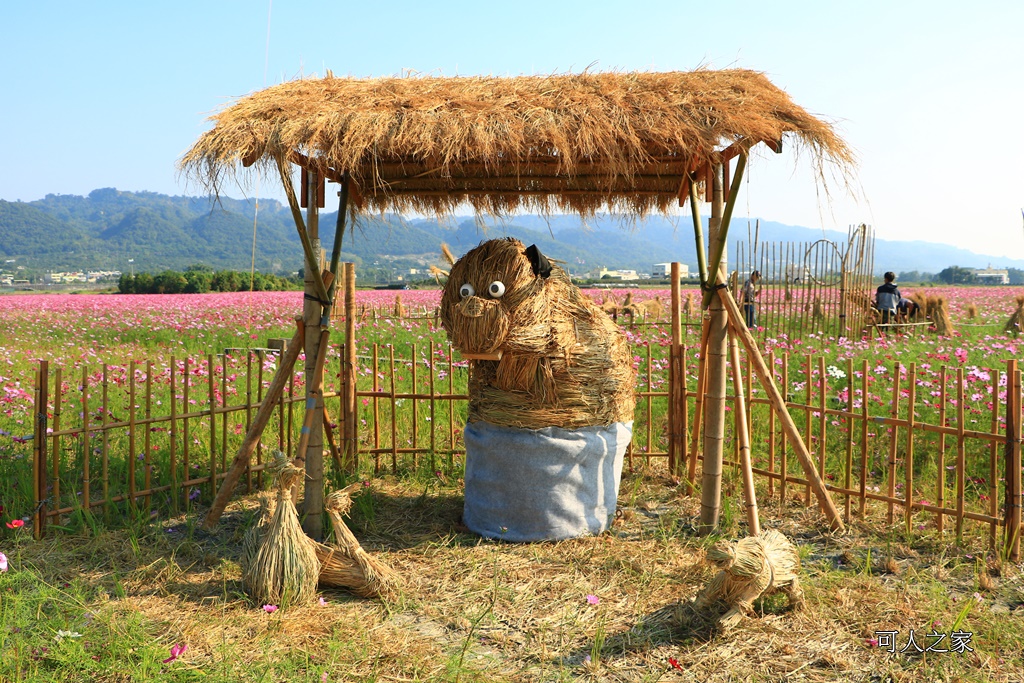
675 663
3 562
593 599
176 651
323 603
269 609
16 524
873 642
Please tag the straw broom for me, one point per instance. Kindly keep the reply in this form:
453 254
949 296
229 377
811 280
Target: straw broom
1016 322
347 565
285 568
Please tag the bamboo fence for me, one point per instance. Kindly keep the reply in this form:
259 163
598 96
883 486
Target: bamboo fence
874 435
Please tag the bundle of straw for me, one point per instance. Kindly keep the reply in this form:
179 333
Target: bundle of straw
751 567
285 568
689 310
347 565
972 311
940 317
1016 322
254 534
399 307
818 313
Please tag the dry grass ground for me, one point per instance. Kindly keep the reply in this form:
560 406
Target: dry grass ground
476 610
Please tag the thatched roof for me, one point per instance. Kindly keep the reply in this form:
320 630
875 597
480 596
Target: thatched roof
581 142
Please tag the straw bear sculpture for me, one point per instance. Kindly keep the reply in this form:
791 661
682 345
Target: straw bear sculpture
551 395
749 568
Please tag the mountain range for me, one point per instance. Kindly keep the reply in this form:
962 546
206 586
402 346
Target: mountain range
105 229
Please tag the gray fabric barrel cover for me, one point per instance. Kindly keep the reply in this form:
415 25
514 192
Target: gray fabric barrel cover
542 484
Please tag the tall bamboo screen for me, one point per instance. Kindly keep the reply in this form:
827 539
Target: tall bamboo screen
875 435
818 286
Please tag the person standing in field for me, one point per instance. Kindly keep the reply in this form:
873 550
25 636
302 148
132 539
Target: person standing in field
751 291
887 298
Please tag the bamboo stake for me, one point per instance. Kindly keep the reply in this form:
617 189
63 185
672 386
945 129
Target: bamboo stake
893 441
908 462
863 437
376 408
1013 461
783 453
698 410
39 447
331 443
313 398
848 469
248 415
754 354
961 465
351 448
940 483
86 449
771 431
415 412
993 458
174 438
252 437
650 415
131 435
147 460
822 417
394 413
676 428
106 443
433 402
58 400
211 402
808 418
186 382
312 262
743 438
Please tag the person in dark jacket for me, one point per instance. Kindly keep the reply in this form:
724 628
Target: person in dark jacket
887 298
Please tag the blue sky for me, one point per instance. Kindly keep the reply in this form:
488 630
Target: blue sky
929 94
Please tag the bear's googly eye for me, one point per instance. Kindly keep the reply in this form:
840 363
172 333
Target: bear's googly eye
496 289
466 291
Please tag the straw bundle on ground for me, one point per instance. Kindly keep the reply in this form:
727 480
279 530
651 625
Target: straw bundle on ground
817 313
399 310
254 534
752 567
544 353
923 305
689 309
347 565
972 311
285 568
940 317
1016 322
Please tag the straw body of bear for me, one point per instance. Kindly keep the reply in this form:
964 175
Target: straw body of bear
563 362
751 567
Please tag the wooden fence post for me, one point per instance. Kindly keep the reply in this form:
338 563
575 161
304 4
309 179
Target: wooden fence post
350 447
676 379
39 448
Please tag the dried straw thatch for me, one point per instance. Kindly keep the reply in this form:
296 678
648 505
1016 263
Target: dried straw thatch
571 142
940 317
285 568
562 361
750 568
347 565
1016 322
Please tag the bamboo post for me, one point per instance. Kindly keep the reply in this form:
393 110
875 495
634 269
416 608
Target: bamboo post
131 435
961 465
376 408
783 453
676 427
940 484
39 447
715 387
105 448
908 461
147 461
55 439
809 419
314 408
863 437
1013 461
248 415
332 444
993 460
743 438
848 468
212 402
415 411
771 431
185 461
252 437
174 438
351 446
698 409
394 411
779 404
893 443
86 450
315 299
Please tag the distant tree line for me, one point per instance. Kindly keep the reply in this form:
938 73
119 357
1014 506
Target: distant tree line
200 279
955 275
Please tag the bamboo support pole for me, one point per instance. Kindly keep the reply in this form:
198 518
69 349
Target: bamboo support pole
312 261
848 465
993 459
433 402
743 438
147 461
822 417
40 418
415 408
131 435
771 429
394 411
252 437
863 437
212 412
779 404
248 416
715 386
650 416
185 383
376 408
808 419
105 448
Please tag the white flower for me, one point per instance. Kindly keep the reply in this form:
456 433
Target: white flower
833 371
61 635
